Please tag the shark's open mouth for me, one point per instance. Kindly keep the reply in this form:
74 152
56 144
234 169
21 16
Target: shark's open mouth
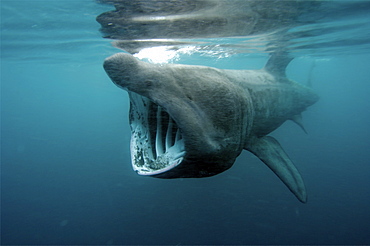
157 144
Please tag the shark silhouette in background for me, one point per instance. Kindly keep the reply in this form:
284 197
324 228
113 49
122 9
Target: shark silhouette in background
194 121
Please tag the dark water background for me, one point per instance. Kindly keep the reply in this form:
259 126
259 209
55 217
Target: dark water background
66 176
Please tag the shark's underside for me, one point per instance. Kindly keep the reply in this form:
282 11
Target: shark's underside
193 121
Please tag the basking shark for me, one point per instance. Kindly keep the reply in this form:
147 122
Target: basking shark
193 121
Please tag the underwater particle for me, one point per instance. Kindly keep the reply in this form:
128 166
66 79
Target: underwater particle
63 223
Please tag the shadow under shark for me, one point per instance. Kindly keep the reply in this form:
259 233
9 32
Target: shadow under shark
194 121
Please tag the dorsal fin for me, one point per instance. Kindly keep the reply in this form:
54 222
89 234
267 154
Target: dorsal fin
278 62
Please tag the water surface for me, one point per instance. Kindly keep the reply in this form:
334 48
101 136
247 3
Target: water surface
66 176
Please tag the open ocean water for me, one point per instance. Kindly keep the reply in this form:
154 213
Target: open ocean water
66 175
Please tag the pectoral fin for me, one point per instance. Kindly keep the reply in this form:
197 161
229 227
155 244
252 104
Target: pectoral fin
268 150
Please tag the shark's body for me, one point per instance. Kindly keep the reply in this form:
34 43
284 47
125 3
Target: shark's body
193 121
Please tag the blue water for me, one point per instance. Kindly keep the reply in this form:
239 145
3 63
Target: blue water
66 175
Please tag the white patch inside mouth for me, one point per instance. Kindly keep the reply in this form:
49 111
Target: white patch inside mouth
156 141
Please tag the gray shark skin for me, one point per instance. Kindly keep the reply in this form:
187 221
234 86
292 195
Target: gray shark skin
194 121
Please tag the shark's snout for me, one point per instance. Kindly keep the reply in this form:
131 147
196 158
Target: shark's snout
120 67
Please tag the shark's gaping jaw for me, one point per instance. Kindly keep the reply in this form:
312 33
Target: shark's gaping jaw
161 148
157 144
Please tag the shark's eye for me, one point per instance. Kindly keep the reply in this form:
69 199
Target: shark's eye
148 83
156 141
